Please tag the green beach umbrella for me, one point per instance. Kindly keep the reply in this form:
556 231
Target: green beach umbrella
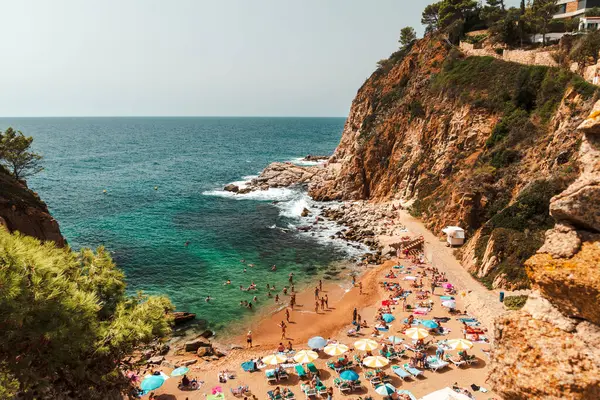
180 371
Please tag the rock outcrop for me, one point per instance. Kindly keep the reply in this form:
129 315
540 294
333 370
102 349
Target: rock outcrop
22 210
550 349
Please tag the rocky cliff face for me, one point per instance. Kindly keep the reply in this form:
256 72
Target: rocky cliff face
22 210
475 142
551 349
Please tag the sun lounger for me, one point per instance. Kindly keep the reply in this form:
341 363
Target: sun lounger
308 391
273 397
300 371
320 387
356 385
457 363
436 364
412 370
312 369
271 377
289 395
400 372
372 378
283 374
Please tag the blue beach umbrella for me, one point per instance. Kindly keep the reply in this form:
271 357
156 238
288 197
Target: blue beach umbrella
152 383
349 375
388 318
317 342
429 324
180 371
395 339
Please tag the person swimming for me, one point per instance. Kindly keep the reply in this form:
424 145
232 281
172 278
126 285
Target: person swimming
208 298
227 282
274 268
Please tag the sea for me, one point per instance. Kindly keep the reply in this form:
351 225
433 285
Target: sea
150 190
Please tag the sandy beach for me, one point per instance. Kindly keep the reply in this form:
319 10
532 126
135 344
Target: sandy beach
333 324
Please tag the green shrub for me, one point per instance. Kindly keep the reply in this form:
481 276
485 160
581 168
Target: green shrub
515 302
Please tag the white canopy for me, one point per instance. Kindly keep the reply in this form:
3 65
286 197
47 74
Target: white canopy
445 394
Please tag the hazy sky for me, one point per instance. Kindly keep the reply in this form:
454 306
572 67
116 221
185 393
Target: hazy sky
193 57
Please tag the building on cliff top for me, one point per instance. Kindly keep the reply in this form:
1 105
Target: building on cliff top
574 8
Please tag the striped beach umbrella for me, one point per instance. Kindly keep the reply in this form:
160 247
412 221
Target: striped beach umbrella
459 344
385 390
335 349
365 345
417 333
375 362
274 359
305 356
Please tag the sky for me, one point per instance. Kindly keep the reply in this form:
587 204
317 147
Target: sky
193 57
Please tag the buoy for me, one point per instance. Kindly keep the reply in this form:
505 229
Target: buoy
104 191
155 187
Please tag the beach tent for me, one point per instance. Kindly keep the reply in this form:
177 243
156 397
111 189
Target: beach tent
455 236
445 394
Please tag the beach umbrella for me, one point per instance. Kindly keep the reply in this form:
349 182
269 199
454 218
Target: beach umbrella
395 339
365 345
274 359
449 303
317 342
152 382
416 333
305 356
430 324
385 390
459 344
445 394
180 371
217 390
375 361
410 278
388 318
335 349
349 375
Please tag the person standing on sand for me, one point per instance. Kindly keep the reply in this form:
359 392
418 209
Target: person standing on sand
249 339
353 280
432 287
287 315
354 314
360 288
358 319
283 327
291 278
320 285
322 303
276 298
317 306
327 301
316 293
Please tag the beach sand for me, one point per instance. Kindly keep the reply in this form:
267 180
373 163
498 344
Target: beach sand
334 323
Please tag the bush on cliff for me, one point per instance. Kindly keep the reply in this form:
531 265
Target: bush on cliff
66 321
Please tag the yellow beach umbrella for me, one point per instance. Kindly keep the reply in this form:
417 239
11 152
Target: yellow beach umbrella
305 356
459 344
366 345
274 359
335 349
375 361
417 333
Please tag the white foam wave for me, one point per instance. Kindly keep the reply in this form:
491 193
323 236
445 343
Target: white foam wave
272 194
306 163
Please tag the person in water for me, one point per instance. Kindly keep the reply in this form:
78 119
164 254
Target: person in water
208 298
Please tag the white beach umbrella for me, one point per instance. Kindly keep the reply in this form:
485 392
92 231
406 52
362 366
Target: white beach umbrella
449 303
274 359
305 356
366 345
335 349
417 333
459 344
375 361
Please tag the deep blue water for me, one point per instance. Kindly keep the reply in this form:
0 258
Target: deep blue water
188 160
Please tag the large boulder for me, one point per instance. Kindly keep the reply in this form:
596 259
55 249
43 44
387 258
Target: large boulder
231 188
179 317
195 344
534 359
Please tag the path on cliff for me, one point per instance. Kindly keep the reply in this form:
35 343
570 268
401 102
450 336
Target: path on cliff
479 300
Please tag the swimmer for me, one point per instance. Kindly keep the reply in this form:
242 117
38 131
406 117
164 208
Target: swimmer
250 306
242 261
208 298
187 243
274 268
227 282
251 265
255 299
244 269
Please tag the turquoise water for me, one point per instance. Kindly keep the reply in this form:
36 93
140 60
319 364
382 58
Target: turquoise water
189 160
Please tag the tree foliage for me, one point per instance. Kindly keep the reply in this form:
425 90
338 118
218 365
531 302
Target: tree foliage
585 50
66 321
15 154
407 36
539 16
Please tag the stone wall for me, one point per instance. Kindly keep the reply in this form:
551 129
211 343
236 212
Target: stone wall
527 57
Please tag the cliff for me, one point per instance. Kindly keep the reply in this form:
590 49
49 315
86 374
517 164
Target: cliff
550 348
469 141
22 210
